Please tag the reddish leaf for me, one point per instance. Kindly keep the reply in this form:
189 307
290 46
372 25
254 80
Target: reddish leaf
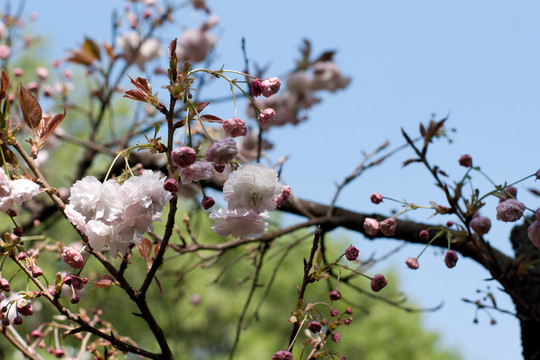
145 248
200 106
325 56
105 281
83 56
53 124
422 130
30 108
211 119
4 85
45 128
109 50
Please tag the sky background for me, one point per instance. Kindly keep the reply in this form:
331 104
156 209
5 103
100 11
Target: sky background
476 61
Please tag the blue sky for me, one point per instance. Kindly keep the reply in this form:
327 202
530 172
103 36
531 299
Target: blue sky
477 61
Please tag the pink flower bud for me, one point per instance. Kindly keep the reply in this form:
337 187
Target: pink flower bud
412 263
18 320
449 223
334 312
265 116
284 196
480 225
388 227
371 226
48 91
18 72
537 174
424 235
4 51
336 337
378 283
282 355
32 86
59 353
73 258
75 299
26 309
36 271
349 311
18 232
465 160
510 210
36 334
183 156
376 198
42 73
256 87
222 151
450 259
334 295
68 74
351 253
234 127
171 185
220 168
270 86
314 327
207 202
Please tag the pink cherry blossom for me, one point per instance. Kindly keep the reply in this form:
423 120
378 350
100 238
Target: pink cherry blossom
239 223
252 187
222 151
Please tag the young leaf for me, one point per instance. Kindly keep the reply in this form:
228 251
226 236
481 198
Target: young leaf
145 248
92 47
105 281
211 119
30 108
4 85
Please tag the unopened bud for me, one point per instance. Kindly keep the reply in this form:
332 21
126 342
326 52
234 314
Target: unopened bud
207 202
450 259
465 160
371 226
388 226
171 185
335 295
424 235
351 253
73 258
282 355
314 327
376 198
412 263
378 283
234 127
183 156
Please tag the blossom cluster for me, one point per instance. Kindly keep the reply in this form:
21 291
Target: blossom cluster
300 92
15 191
117 215
250 192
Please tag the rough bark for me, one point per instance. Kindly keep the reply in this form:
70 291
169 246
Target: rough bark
525 283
